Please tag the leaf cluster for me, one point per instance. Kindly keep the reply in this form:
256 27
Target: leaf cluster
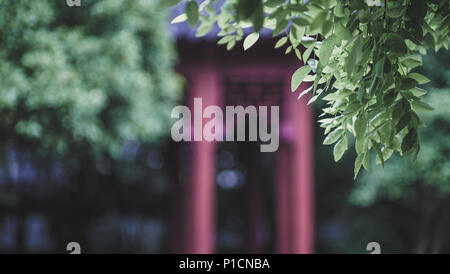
359 56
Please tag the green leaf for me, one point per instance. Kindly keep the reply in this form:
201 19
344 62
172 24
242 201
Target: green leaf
364 16
379 67
333 136
360 126
377 148
400 108
409 141
386 132
421 106
373 85
403 122
342 32
317 22
245 9
179 19
231 44
421 79
326 27
307 53
361 90
192 13
258 17
250 40
298 53
340 148
339 9
298 76
387 153
281 42
354 55
300 21
325 50
280 27
418 91
313 99
296 34
366 161
358 164
225 39
360 145
408 83
410 62
304 92
352 108
288 50
204 28
318 76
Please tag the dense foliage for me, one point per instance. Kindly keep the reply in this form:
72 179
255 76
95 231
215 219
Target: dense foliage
421 187
432 167
362 55
85 78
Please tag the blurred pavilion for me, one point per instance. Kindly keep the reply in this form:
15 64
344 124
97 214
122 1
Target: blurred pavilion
279 187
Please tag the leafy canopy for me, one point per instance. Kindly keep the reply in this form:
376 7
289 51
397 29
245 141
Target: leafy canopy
431 170
409 181
85 79
361 53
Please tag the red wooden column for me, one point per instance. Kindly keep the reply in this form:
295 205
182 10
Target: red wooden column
200 217
301 183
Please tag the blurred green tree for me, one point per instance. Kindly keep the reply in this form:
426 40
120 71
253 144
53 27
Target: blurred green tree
85 78
85 96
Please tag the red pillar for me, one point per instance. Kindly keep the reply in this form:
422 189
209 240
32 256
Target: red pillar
301 182
200 217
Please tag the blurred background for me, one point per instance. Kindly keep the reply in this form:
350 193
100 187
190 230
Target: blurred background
86 154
